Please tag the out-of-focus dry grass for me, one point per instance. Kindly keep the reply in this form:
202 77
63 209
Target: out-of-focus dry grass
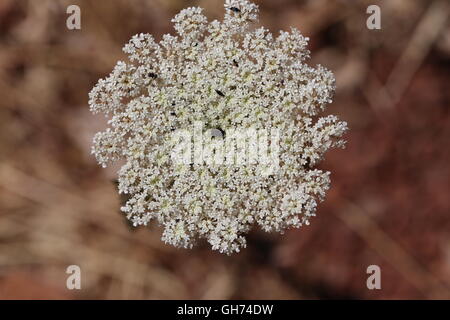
389 204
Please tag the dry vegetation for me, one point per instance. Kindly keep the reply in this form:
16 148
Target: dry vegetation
389 204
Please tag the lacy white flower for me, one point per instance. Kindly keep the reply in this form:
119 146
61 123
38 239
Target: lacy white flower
228 76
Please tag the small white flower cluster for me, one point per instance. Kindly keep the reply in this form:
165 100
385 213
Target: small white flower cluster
226 75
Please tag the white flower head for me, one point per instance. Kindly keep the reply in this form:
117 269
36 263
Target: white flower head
240 83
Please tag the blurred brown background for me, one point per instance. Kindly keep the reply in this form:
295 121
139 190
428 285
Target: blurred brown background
389 204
